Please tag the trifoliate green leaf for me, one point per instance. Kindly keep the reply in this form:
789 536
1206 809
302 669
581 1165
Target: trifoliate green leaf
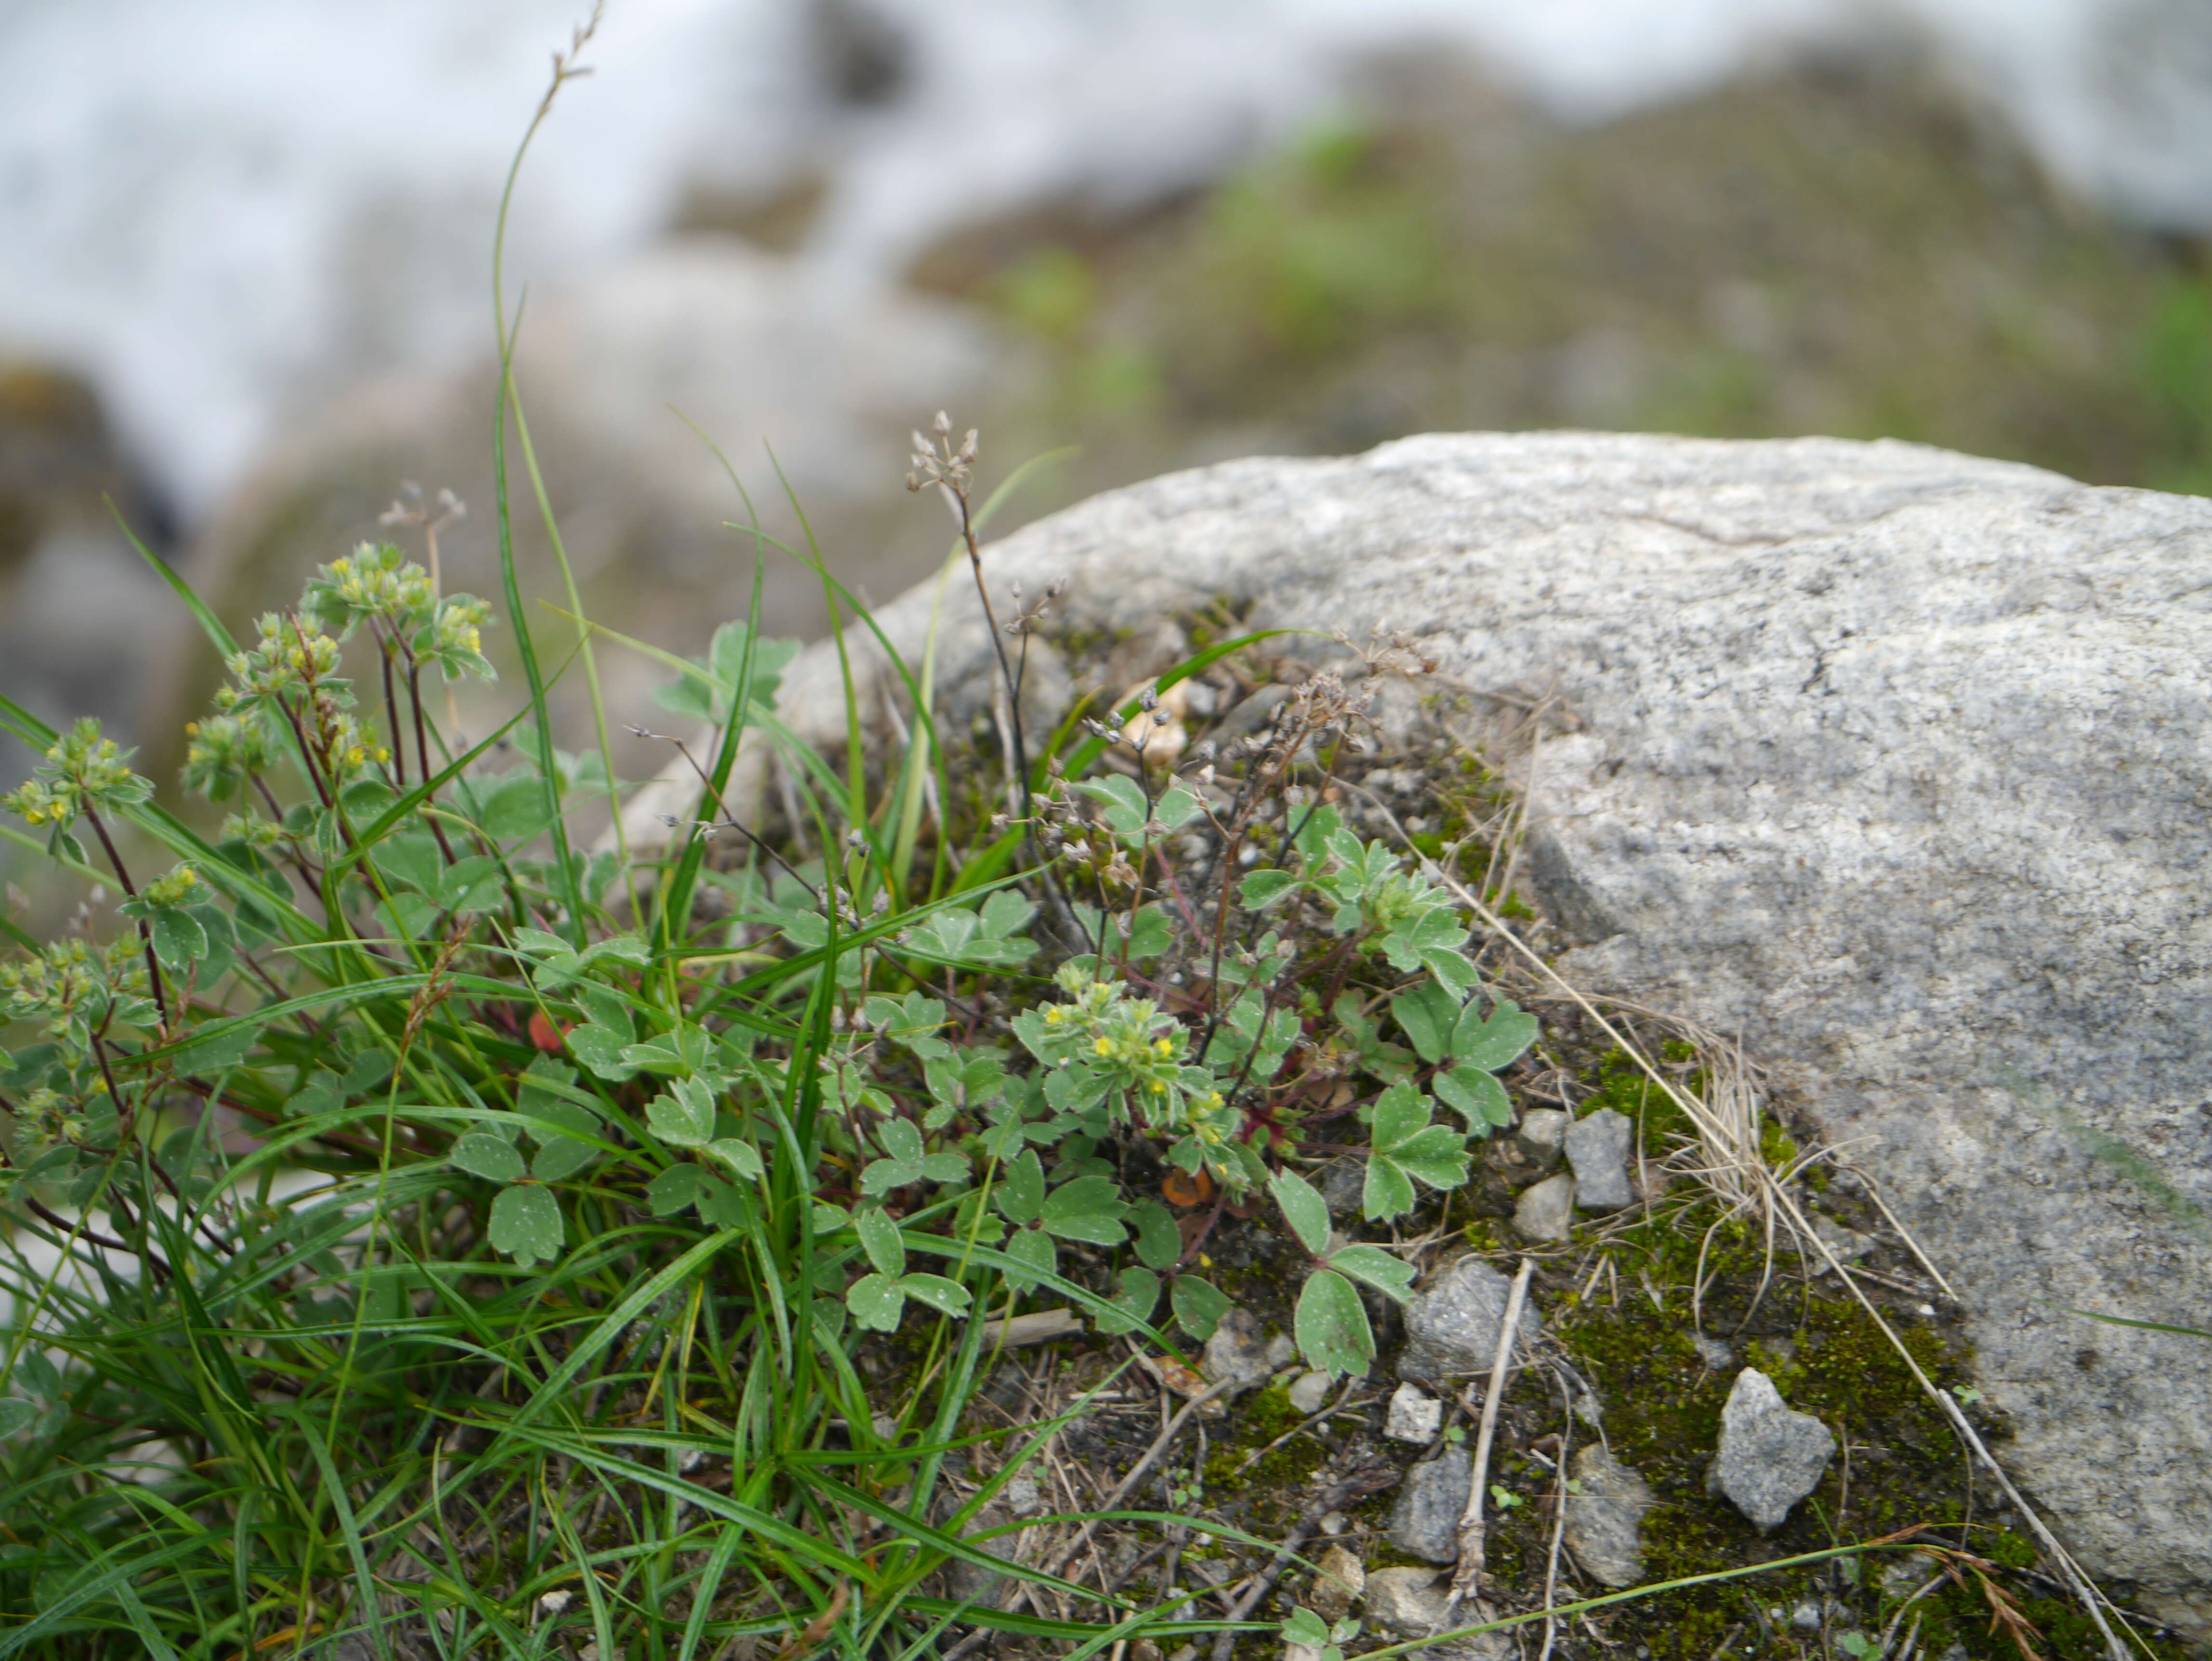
1159 1242
1198 1305
601 1049
1331 1326
15 1415
1406 1147
1426 1014
880 1238
876 1301
741 1157
1262 888
1021 1189
1375 1267
906 1162
525 1224
949 1297
1134 1303
1035 1248
1090 1208
1495 1042
1303 1208
683 1115
488 1157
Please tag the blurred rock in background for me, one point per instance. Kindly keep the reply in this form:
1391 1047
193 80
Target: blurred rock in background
628 381
78 606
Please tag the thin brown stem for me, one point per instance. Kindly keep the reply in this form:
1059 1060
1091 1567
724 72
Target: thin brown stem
391 712
145 931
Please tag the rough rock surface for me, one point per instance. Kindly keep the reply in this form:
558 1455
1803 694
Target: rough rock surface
1770 1455
1415 1415
1604 1517
1425 1521
1546 1210
1451 1329
1543 1135
1597 1148
1889 760
1340 1580
1408 1602
1239 1350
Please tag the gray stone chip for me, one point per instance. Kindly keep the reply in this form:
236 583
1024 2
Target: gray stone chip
1425 1520
1546 1211
1542 1135
1605 1517
1771 1456
1408 1602
1597 1147
1451 1329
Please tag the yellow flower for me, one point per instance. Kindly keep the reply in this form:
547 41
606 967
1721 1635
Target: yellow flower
1102 1047
1163 1047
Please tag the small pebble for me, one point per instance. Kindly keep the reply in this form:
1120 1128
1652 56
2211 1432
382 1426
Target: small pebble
1543 1134
1716 1355
1806 1617
1341 1578
1546 1211
1311 1393
1335 1523
1415 1415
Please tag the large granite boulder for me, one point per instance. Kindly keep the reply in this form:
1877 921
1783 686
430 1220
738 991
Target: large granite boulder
1897 762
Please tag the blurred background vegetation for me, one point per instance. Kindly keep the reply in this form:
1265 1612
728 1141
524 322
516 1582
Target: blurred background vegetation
1847 247
1847 240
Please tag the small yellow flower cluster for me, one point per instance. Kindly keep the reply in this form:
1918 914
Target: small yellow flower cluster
38 805
81 770
224 751
460 629
290 656
379 581
178 886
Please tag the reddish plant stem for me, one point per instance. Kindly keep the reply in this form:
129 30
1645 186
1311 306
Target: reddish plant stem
145 931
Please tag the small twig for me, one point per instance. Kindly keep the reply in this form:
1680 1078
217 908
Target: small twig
145 930
1558 1520
1467 1579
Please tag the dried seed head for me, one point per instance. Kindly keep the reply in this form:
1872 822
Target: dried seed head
944 422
